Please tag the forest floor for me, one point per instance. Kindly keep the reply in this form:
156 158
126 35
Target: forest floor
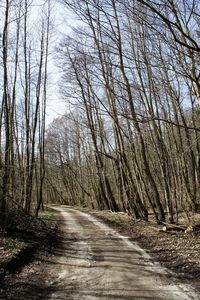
82 250
23 251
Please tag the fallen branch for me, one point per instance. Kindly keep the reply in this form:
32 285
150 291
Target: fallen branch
170 227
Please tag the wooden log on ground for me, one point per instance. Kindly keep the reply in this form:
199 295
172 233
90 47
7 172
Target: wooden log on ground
174 227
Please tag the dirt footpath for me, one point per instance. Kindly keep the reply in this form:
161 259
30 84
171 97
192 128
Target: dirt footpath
98 263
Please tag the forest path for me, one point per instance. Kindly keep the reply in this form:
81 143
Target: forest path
98 263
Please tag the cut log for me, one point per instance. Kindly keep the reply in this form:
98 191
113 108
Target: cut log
173 227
